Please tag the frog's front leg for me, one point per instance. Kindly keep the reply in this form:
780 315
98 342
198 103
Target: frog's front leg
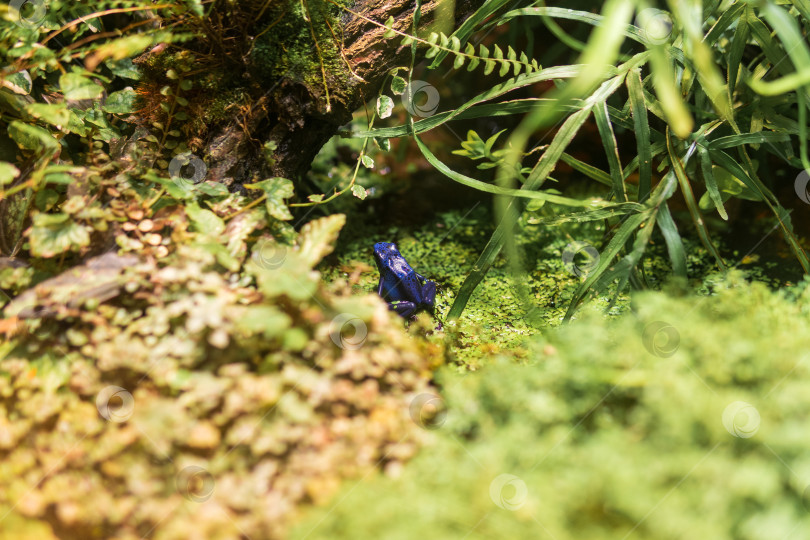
380 287
403 308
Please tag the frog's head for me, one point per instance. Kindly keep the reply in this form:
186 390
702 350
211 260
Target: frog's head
385 251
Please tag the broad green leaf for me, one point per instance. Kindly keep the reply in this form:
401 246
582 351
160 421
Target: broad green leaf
124 47
121 102
319 237
76 86
277 189
385 105
31 137
267 321
19 83
123 68
8 173
398 85
53 234
205 221
359 192
56 114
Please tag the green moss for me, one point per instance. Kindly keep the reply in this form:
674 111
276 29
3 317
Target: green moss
498 318
604 437
289 50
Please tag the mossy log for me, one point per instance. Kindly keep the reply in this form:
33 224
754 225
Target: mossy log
349 61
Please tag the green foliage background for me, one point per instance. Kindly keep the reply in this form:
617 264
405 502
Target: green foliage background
218 323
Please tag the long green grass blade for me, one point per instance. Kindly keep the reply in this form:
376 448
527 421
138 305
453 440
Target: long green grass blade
725 20
642 132
497 190
672 105
486 110
677 253
711 182
748 138
591 215
735 54
633 32
521 81
617 242
546 164
611 149
594 173
794 43
691 204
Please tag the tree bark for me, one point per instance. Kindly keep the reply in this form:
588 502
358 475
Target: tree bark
294 115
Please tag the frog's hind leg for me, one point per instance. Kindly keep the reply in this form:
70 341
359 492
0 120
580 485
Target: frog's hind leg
403 308
429 293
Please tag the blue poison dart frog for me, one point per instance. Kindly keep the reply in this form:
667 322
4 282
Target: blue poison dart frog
404 290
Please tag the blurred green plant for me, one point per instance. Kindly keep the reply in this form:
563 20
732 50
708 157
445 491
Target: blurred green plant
683 419
711 91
